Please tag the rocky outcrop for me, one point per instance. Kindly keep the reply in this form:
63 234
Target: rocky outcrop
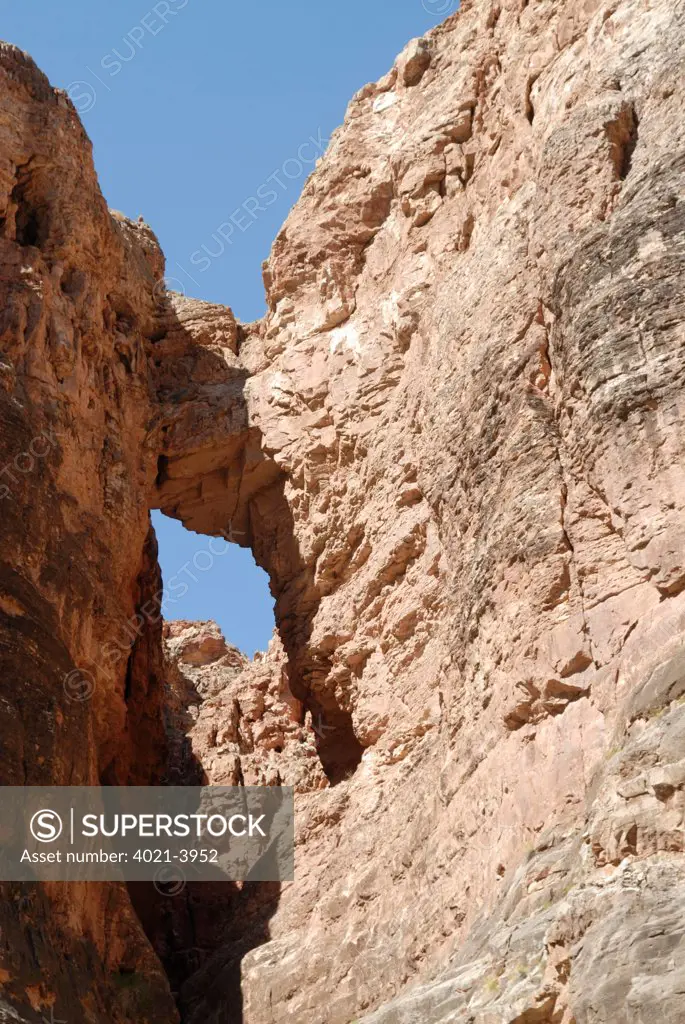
230 722
455 444
591 926
470 381
80 686
236 719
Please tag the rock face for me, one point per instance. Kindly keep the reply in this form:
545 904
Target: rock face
81 683
237 719
455 443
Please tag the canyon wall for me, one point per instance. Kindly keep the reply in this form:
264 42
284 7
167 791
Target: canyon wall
80 687
455 444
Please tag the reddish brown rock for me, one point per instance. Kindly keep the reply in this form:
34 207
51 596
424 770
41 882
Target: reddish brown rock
467 379
237 719
81 689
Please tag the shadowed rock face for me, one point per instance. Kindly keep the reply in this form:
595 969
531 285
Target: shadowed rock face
455 443
77 305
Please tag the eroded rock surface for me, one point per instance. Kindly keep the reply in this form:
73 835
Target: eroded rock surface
471 377
81 684
455 443
235 718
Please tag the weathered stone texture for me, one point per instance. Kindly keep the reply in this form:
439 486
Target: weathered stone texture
474 388
237 719
79 686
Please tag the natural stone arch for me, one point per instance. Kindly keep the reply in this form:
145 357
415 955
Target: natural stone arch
216 476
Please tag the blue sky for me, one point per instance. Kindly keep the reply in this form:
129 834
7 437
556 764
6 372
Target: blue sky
192 107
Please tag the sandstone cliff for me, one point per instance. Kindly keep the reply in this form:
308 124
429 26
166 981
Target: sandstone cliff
455 443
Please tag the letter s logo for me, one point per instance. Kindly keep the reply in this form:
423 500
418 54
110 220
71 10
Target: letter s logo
46 826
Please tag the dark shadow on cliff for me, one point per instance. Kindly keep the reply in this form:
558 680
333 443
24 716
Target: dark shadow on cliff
201 935
229 488
218 479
